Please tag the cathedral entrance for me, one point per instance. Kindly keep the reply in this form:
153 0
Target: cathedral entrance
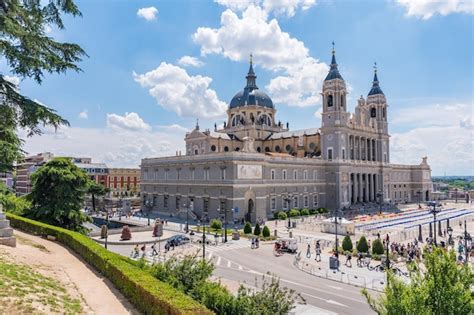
248 215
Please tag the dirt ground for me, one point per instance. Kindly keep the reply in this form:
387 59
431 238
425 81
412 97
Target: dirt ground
50 259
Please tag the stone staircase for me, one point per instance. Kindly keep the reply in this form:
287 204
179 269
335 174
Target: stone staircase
6 232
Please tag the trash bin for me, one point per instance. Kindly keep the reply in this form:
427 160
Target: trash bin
293 224
333 263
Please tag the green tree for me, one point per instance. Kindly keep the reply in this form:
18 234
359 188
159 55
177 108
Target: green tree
377 247
282 215
347 243
362 245
12 203
247 228
96 190
29 52
266 231
256 230
58 193
216 224
444 287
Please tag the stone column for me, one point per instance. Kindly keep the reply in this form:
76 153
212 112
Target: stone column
6 232
367 188
356 188
368 150
361 191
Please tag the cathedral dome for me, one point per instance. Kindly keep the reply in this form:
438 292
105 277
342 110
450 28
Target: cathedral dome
251 95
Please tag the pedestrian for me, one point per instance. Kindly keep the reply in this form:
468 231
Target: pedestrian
167 247
257 242
253 244
359 259
318 252
308 251
153 247
348 260
136 251
143 251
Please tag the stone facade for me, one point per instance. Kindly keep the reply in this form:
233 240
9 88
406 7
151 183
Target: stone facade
255 165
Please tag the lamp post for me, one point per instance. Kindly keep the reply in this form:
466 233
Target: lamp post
379 197
418 193
148 205
225 224
336 222
186 228
456 194
121 208
203 238
466 237
107 227
434 211
387 241
288 198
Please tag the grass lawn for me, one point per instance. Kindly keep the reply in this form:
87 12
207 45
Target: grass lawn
24 291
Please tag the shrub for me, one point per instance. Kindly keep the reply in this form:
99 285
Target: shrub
126 233
293 213
266 231
377 247
247 228
322 210
147 294
347 243
282 215
304 212
362 245
257 231
216 224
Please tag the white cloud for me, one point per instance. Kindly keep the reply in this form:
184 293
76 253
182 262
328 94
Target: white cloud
427 8
190 61
273 49
174 89
12 79
148 14
130 121
277 7
84 114
443 132
117 147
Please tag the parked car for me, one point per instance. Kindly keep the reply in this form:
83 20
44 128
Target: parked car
177 240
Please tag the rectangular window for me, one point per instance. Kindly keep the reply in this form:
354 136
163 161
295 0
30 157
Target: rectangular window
306 202
223 173
178 173
295 175
155 175
343 154
329 154
166 174
285 204
165 201
273 174
273 203
305 175
295 202
206 174
206 206
315 201
284 174
178 202
315 174
145 175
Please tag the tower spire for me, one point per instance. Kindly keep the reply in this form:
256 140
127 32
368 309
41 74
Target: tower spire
375 83
251 84
333 70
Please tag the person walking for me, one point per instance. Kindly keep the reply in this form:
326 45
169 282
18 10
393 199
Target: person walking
154 252
257 242
136 251
308 251
143 251
318 252
253 244
348 260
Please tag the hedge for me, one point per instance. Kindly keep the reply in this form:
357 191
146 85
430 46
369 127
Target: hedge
145 292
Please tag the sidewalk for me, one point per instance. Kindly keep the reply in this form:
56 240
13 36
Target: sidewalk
137 238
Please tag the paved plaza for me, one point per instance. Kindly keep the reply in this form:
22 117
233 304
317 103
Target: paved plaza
327 291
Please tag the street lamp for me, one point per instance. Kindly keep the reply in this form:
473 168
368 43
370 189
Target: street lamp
203 238
225 222
379 197
148 205
336 222
434 211
288 198
418 193
456 194
467 237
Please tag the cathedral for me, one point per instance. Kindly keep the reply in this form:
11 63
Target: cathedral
255 165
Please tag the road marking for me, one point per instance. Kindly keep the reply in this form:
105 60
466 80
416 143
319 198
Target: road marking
240 267
209 256
218 262
337 288
336 303
228 264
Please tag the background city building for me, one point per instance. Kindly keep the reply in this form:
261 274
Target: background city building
27 167
124 181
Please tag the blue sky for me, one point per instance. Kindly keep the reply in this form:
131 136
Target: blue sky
135 99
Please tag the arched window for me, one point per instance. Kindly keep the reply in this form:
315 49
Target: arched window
265 120
226 149
237 149
373 112
342 100
259 149
237 120
267 149
288 148
277 148
196 152
312 146
329 100
384 112
213 148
